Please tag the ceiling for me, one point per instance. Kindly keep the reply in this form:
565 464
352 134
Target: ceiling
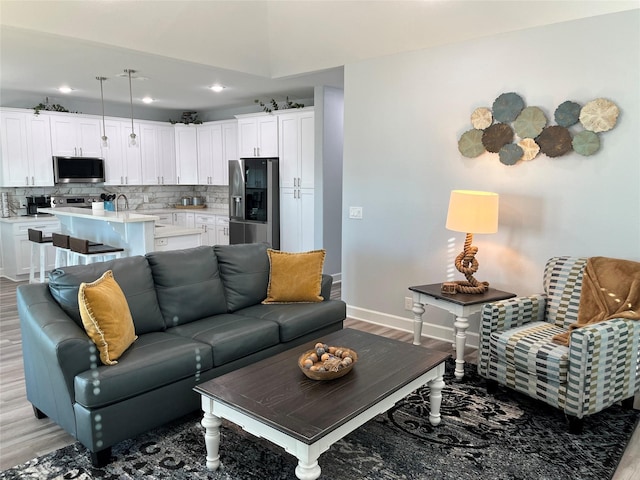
256 49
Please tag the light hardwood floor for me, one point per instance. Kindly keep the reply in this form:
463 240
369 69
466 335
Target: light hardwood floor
23 437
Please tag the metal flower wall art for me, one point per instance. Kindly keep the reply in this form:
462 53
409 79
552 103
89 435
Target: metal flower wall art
518 133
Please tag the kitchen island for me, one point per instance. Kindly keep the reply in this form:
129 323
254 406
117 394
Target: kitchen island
132 231
137 233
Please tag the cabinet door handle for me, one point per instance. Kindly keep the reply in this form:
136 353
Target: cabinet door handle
80 151
33 180
26 180
178 179
163 179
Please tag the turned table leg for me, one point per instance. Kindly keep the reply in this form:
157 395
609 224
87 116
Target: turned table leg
435 400
211 424
418 311
461 324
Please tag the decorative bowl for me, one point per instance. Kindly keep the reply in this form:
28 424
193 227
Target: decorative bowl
327 374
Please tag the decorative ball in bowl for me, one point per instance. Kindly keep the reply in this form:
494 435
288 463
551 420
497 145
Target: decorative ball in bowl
325 362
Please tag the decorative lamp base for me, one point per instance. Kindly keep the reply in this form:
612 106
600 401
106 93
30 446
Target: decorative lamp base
467 264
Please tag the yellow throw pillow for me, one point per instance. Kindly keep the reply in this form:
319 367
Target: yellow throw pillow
295 277
106 317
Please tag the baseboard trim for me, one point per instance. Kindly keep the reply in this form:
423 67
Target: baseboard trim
429 330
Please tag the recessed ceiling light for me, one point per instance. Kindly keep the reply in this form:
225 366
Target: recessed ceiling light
217 87
65 89
147 100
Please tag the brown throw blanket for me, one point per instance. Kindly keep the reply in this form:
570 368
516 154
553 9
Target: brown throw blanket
610 289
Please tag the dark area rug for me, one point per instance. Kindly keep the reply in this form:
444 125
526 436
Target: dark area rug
503 436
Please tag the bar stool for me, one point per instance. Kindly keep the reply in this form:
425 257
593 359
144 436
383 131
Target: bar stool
83 249
63 252
39 245
64 255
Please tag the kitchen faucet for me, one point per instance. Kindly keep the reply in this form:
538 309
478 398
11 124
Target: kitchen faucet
126 202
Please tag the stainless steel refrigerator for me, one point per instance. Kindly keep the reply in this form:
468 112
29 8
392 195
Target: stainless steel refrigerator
254 206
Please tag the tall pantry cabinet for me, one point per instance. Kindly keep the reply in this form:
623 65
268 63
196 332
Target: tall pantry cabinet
296 142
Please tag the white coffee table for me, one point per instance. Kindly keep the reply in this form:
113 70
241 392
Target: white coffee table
272 399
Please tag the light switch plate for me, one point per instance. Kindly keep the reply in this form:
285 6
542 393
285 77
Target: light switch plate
355 212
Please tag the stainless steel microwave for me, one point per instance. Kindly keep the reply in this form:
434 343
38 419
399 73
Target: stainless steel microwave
78 170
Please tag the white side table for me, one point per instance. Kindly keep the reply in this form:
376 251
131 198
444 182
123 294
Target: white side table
462 305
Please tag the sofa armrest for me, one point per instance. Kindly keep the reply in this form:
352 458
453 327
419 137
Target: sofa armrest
54 349
505 314
611 350
325 289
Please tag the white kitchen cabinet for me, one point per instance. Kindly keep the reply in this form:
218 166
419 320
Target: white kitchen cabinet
297 146
257 135
216 145
26 149
123 161
157 145
296 149
208 225
74 135
186 154
210 151
184 219
222 230
16 247
164 218
297 219
229 151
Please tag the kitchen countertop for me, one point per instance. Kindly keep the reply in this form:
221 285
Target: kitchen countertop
100 215
86 212
29 218
222 211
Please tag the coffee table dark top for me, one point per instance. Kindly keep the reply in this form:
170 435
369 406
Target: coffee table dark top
277 393
491 295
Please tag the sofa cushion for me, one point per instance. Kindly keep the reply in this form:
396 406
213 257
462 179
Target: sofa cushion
188 284
154 360
528 349
245 272
106 317
230 336
132 274
298 319
295 277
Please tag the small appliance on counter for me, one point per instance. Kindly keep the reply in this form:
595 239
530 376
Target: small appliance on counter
33 203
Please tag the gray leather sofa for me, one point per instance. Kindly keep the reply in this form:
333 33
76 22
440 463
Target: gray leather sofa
197 313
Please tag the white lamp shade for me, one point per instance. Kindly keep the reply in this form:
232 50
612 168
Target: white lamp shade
473 212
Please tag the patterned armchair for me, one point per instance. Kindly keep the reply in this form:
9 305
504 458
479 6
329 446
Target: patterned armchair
600 367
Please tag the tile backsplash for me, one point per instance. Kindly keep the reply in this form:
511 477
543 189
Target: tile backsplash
157 196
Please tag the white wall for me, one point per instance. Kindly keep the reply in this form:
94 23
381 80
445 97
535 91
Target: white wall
404 115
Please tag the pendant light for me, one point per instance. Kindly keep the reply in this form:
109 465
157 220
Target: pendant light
132 137
104 130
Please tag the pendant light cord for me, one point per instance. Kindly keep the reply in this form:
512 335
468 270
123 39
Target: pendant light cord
129 71
104 128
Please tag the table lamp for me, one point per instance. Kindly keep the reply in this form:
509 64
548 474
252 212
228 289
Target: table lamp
470 212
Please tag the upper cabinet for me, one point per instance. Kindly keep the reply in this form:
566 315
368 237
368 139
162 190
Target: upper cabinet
297 149
157 145
216 145
75 135
26 149
257 135
123 160
186 155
